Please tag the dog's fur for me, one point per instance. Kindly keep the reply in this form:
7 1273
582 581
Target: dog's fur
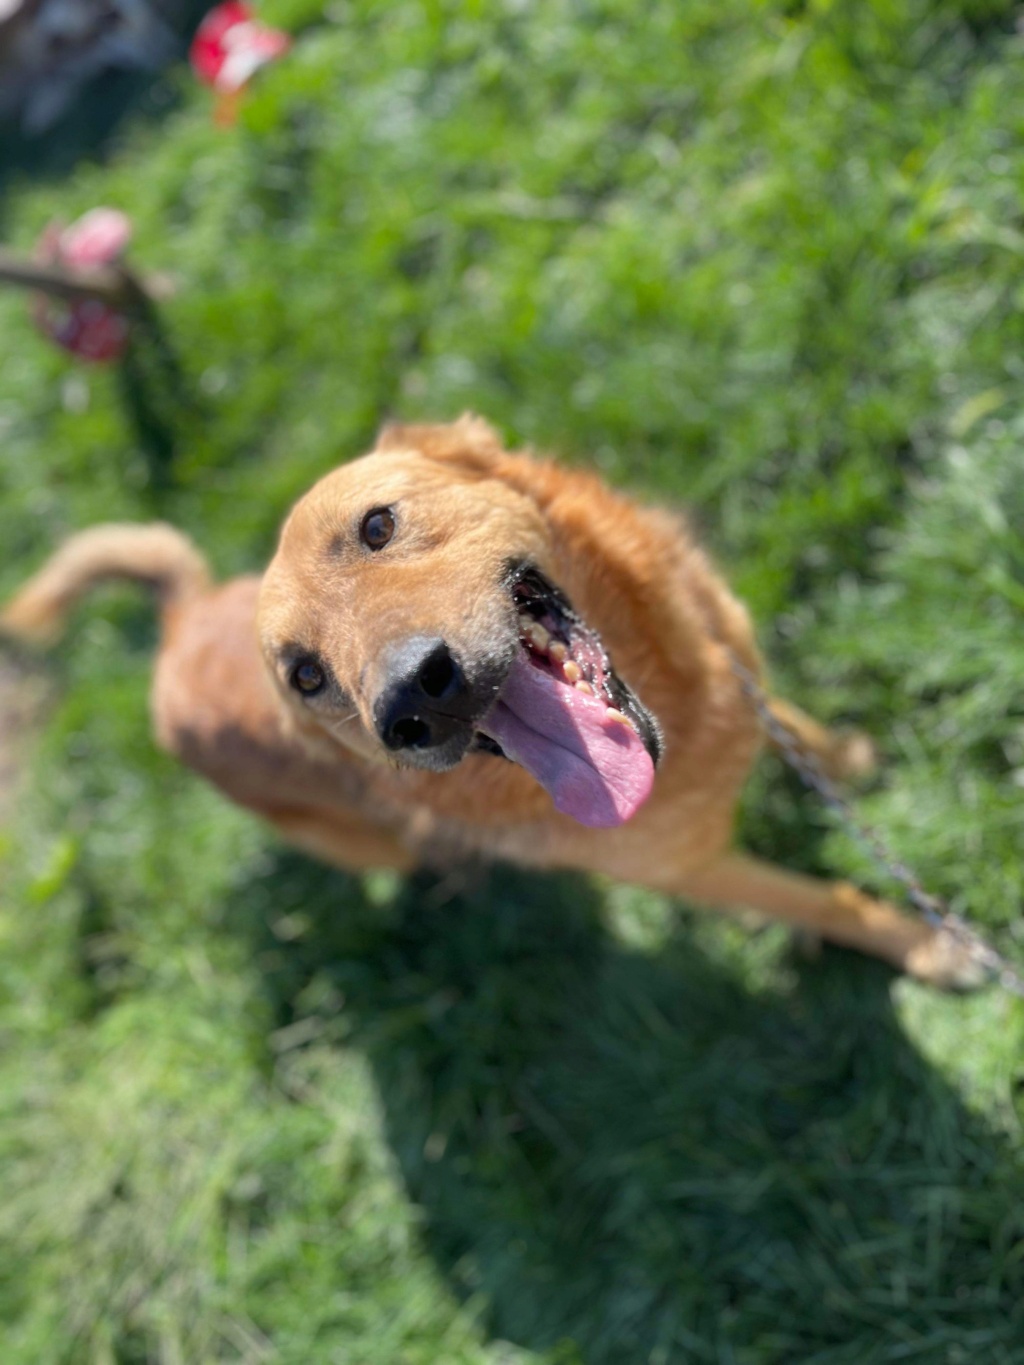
315 768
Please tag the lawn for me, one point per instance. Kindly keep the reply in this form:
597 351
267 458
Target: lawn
764 259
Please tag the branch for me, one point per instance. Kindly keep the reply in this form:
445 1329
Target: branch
115 285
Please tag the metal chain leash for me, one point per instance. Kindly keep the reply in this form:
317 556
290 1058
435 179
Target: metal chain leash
806 764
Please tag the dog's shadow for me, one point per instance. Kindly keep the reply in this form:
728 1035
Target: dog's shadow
629 1155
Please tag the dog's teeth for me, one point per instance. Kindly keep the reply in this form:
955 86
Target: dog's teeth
585 688
538 637
571 669
618 717
558 651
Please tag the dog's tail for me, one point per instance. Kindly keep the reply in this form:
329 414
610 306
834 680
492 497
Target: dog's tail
156 555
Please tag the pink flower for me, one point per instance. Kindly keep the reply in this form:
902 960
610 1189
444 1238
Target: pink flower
231 45
99 237
87 327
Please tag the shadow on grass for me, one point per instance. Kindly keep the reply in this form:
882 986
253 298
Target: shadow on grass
634 1157
86 130
89 127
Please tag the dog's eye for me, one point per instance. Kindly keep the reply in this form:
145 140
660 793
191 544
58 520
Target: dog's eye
378 527
307 677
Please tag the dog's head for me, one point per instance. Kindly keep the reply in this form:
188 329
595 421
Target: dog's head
412 613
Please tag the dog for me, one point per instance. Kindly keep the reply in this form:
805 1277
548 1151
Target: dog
458 652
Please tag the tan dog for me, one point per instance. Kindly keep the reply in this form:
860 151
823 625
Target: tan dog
461 651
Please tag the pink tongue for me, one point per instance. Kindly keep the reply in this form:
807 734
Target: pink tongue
595 769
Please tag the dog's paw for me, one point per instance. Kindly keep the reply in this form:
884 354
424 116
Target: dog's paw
946 961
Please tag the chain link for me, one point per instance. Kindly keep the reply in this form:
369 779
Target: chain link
806 764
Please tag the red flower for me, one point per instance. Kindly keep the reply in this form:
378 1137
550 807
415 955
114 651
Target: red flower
87 327
231 45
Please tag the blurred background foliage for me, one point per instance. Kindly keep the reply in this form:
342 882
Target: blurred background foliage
760 258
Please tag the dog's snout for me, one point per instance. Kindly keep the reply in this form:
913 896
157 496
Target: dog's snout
419 705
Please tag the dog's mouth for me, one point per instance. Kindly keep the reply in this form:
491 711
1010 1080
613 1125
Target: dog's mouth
565 715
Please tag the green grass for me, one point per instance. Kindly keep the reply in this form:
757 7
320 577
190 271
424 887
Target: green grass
761 258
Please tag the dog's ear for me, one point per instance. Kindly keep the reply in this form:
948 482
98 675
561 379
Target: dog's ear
470 442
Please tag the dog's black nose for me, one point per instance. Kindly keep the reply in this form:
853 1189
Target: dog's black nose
423 702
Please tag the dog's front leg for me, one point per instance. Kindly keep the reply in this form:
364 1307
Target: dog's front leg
343 839
836 911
